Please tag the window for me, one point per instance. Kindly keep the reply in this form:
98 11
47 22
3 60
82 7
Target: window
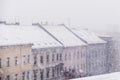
81 54
53 72
65 68
28 75
53 56
7 77
65 57
69 56
28 59
84 54
41 59
23 76
35 75
74 55
35 60
0 63
60 57
16 61
78 67
78 55
81 66
47 58
41 76
58 71
57 57
96 55
24 59
47 73
16 77
8 62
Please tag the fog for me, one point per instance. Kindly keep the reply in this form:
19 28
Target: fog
99 15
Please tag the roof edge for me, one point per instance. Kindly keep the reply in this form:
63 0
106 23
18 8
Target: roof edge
13 45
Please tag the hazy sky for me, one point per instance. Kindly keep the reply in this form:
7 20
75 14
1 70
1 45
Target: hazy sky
95 14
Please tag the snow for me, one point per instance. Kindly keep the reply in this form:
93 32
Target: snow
110 76
64 35
11 34
88 36
103 35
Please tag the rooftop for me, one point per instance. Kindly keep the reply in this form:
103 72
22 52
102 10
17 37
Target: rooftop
88 36
13 34
64 35
105 35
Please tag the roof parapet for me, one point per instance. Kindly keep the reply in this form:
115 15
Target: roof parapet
7 23
26 44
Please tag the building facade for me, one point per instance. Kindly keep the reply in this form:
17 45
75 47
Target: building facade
44 46
75 59
109 51
74 50
96 56
16 62
48 63
114 52
55 50
96 59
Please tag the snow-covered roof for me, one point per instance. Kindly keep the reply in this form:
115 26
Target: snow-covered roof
64 35
88 36
103 35
110 76
11 34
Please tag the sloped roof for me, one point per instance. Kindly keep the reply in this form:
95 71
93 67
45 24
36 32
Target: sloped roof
88 36
64 35
11 34
103 35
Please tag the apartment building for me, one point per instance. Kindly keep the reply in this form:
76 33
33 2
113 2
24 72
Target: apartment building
74 50
16 62
47 54
96 51
47 63
15 56
114 52
56 49
109 51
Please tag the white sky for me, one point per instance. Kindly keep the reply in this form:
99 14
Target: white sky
94 14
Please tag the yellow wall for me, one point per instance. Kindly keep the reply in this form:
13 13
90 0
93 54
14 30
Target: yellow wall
12 52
